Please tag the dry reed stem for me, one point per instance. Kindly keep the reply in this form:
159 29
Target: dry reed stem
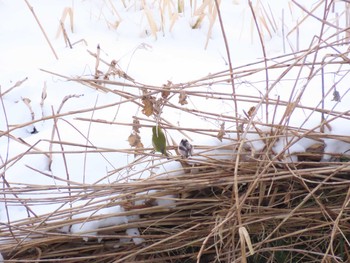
17 84
151 22
41 28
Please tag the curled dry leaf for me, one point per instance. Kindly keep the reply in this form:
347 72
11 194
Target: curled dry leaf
132 139
114 63
183 98
122 74
114 71
251 111
158 105
135 140
136 125
222 132
336 96
166 90
147 106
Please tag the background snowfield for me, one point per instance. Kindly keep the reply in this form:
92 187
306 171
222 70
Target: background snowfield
69 151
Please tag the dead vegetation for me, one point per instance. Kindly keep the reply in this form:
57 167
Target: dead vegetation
244 206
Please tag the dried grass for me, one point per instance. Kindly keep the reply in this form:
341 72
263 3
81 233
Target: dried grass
248 207
290 212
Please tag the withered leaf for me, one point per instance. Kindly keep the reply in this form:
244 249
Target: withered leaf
122 74
183 98
251 111
147 106
136 125
221 132
158 105
134 140
336 96
166 90
114 63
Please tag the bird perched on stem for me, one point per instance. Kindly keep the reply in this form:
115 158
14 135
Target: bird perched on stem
185 148
158 140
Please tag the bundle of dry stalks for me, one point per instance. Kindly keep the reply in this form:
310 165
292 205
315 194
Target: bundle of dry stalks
248 206
244 206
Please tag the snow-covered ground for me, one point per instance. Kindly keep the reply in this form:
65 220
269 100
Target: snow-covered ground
177 53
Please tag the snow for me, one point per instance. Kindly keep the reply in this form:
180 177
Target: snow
176 54
85 228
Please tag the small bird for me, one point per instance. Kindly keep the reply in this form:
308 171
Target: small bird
158 140
185 148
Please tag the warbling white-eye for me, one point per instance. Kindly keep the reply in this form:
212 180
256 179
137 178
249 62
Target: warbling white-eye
158 140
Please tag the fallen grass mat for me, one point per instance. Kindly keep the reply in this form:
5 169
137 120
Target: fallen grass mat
241 205
287 213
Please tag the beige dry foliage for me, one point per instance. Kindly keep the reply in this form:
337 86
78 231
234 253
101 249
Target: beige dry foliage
135 140
183 98
166 90
221 132
136 124
243 205
147 106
